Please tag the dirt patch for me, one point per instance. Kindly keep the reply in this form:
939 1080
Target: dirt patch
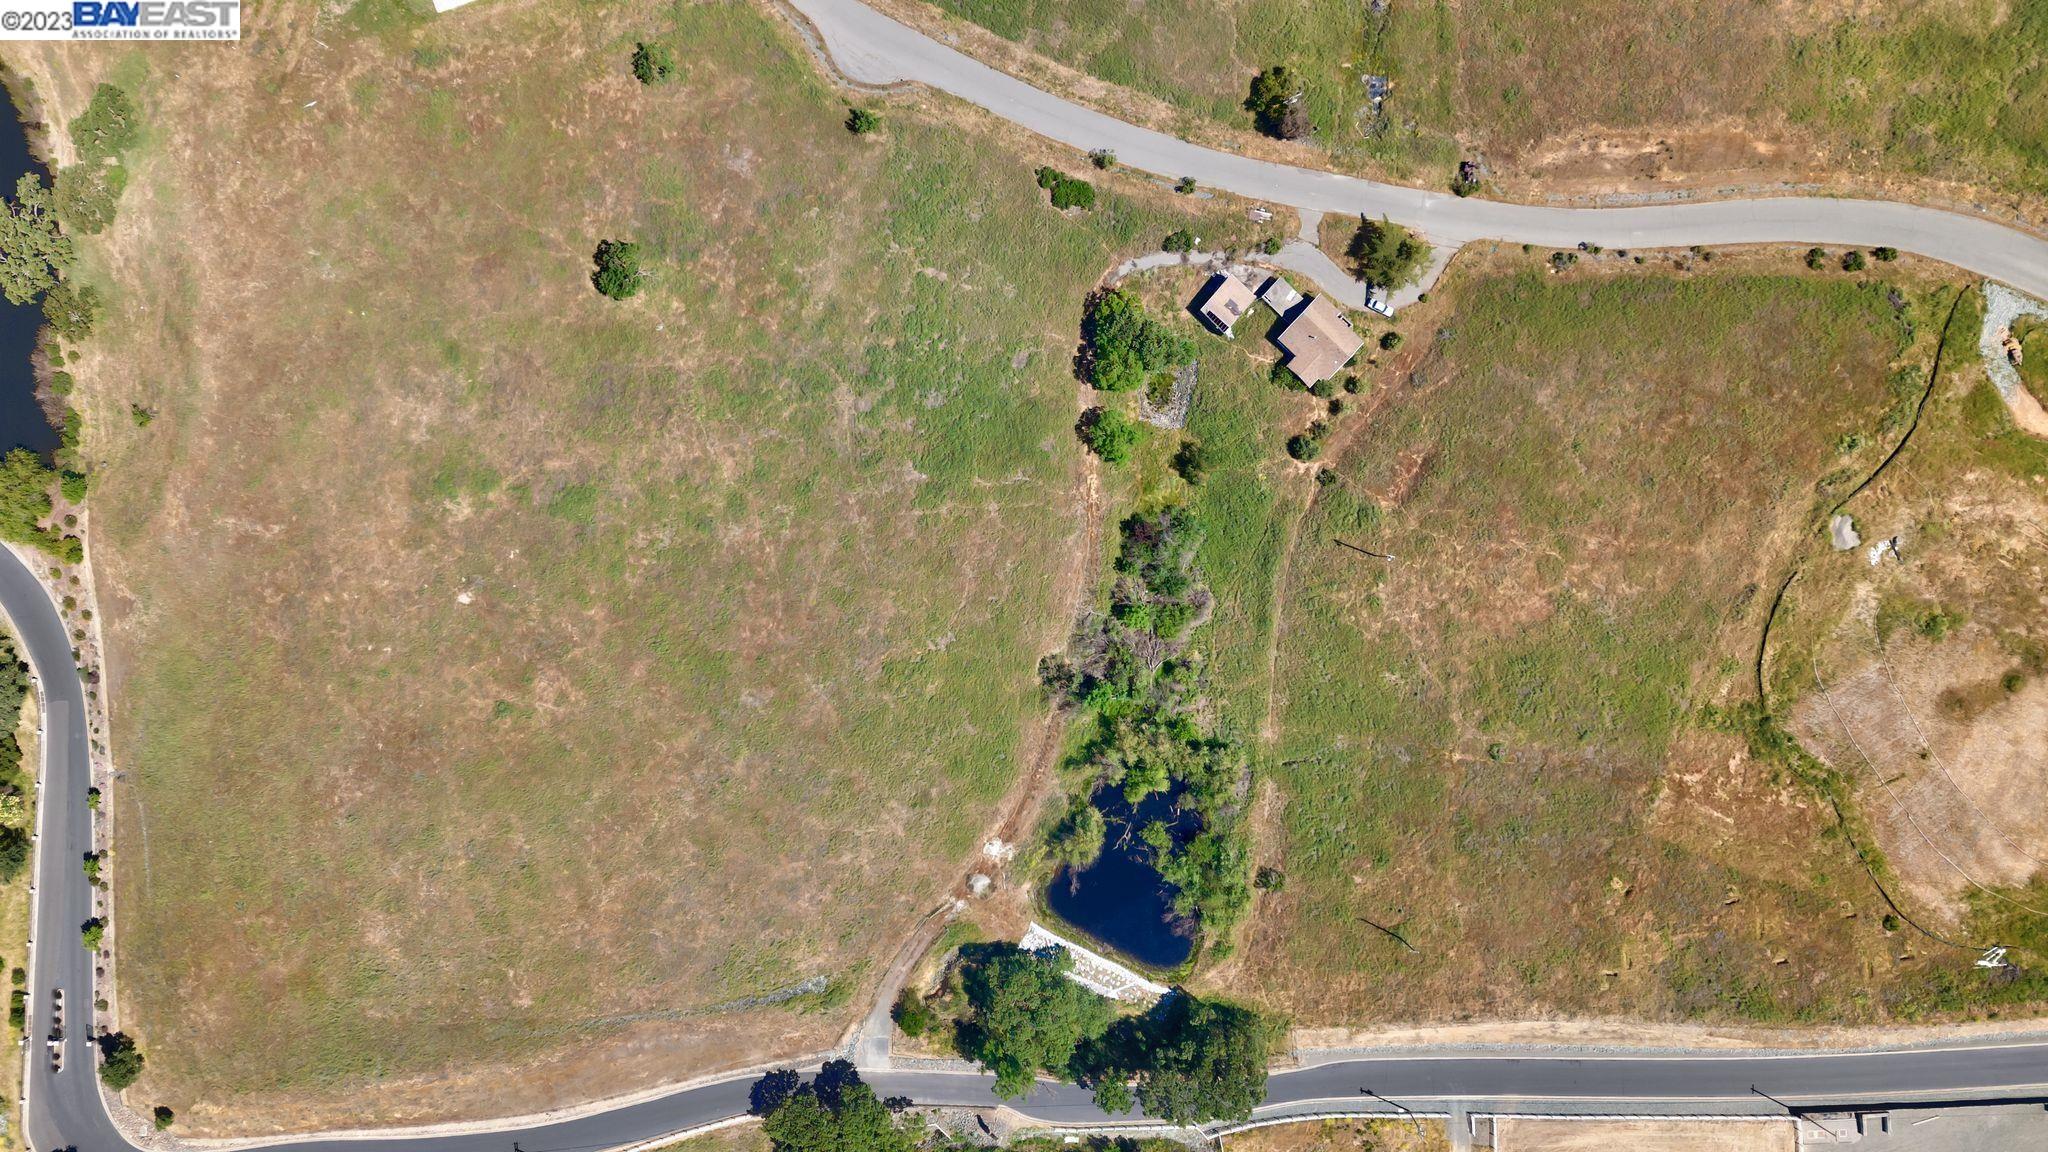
1526 1135
1591 163
1933 703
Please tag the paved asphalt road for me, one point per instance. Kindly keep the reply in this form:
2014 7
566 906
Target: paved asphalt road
871 48
65 1109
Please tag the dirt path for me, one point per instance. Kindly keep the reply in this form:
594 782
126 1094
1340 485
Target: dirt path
1269 729
2002 309
1347 429
1019 809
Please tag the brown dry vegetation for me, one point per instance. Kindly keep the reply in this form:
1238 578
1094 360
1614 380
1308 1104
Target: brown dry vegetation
1938 99
738 1138
1496 746
1921 679
1343 1136
511 679
1526 1135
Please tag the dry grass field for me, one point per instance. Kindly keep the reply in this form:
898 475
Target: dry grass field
1923 678
1585 98
524 696
1525 1135
738 1138
1502 792
1343 1136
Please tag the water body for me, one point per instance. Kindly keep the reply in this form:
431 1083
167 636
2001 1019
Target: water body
1121 900
22 421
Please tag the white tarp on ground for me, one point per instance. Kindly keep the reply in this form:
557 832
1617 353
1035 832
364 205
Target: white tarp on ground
1093 970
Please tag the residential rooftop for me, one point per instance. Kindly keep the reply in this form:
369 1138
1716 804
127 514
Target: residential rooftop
1224 299
1318 341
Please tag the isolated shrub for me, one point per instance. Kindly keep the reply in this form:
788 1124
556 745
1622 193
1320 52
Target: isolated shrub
1816 258
109 125
1178 240
1071 193
1103 159
93 932
618 268
1109 434
1306 446
1324 388
1186 186
860 121
912 1014
1191 461
164 1117
1852 261
1390 340
1067 192
1884 254
120 1060
1386 254
1275 103
17 1009
1271 245
1563 260
1353 384
1271 879
653 63
1937 624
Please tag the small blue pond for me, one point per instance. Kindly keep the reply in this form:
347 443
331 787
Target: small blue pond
1121 900
22 422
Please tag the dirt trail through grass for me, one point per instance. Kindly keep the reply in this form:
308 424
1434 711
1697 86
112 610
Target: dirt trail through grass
511 605
1492 747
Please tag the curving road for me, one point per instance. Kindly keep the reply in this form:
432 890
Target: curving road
871 48
64 1109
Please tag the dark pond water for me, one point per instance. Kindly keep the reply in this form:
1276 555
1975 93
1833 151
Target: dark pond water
1121 900
22 422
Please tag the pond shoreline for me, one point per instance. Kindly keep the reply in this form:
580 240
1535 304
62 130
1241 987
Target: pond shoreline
26 406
